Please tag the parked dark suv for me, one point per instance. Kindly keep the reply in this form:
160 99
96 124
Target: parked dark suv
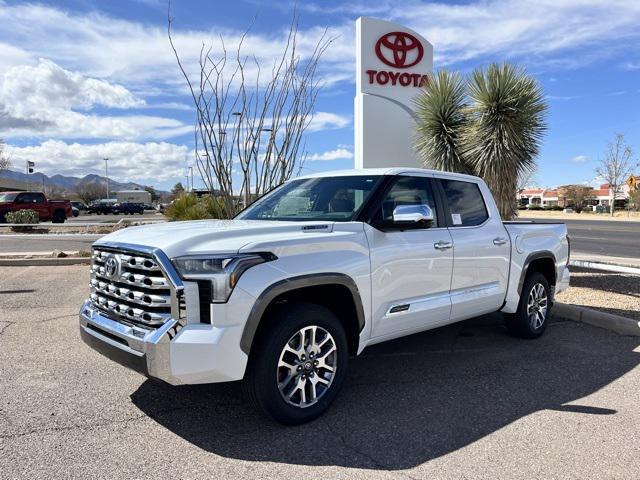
128 208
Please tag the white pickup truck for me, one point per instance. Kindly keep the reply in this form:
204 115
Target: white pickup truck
313 273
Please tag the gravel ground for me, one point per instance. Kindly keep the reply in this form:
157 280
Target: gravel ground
608 292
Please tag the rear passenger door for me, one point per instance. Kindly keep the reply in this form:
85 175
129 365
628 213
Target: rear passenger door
481 249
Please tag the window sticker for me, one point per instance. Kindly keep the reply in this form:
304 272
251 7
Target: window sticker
456 219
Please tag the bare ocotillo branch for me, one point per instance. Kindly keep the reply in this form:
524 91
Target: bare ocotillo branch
250 120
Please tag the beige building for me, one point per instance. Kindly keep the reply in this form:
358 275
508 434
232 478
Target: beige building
603 195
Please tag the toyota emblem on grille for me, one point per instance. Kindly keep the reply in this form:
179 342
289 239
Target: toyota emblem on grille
112 266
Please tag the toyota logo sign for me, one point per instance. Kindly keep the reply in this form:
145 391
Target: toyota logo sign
403 50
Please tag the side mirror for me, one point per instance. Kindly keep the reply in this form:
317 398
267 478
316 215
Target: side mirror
412 214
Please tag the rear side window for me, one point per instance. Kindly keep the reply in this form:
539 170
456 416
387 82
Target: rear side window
466 205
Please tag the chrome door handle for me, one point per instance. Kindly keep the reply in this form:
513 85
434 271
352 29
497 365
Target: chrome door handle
442 245
499 241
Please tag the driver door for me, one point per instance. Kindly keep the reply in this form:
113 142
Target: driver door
411 264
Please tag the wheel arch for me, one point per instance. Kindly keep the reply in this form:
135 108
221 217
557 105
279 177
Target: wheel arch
336 291
543 262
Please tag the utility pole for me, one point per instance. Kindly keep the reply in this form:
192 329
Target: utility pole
191 174
106 174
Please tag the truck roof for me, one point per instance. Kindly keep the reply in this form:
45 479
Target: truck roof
385 171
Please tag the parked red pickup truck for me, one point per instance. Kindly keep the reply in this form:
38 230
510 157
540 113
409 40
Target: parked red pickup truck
55 210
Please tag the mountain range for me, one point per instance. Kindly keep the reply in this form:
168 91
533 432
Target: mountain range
68 183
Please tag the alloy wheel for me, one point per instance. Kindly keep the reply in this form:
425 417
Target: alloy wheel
537 306
307 366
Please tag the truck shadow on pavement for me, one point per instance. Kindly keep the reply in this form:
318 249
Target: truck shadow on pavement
411 400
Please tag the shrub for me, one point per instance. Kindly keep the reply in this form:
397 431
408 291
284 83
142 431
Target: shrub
189 207
535 207
22 216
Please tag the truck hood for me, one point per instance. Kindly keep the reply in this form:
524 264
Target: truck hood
213 236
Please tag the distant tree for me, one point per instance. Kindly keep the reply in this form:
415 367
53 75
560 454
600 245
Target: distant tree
154 194
5 161
55 192
578 196
616 166
634 198
528 178
88 192
177 190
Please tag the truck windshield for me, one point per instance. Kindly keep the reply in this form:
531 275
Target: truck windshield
330 198
8 197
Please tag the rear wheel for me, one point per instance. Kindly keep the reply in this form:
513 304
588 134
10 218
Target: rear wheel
531 318
299 365
58 217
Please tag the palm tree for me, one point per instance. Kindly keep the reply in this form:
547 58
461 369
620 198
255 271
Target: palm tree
497 127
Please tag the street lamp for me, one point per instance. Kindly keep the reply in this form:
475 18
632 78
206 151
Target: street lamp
106 174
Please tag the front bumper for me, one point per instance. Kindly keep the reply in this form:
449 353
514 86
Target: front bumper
145 351
190 354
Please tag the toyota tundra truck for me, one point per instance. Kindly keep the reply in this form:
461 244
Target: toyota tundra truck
310 275
55 210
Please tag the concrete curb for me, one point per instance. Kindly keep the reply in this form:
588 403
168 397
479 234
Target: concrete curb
605 267
29 262
615 323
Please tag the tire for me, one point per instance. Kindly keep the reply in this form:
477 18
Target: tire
2 217
58 217
534 309
265 377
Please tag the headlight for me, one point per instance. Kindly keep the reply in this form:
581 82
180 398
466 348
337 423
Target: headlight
223 271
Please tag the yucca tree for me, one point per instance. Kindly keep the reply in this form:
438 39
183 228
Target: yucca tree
441 120
498 121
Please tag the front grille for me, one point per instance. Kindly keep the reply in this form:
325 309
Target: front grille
134 292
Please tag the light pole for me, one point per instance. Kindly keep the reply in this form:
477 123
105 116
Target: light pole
106 174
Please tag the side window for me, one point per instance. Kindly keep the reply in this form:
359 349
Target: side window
38 198
22 198
466 204
406 191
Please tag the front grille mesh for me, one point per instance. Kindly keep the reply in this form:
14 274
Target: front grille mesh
138 293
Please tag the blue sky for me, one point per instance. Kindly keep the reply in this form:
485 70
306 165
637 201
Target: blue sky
83 79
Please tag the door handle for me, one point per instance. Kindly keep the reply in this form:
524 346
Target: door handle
442 245
499 241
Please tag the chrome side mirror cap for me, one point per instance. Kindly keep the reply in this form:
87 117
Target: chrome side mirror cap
412 214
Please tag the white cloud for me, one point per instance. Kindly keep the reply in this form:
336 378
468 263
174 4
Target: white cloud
337 154
137 54
129 161
521 27
580 159
327 121
43 101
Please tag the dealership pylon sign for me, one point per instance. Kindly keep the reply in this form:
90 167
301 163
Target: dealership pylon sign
392 63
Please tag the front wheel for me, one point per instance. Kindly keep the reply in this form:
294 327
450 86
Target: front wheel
531 318
300 364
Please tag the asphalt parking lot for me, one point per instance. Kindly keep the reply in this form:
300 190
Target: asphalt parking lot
465 401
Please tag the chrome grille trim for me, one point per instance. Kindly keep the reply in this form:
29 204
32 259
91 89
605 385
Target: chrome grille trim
128 295
140 293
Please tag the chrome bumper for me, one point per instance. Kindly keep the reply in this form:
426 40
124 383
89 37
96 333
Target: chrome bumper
145 351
